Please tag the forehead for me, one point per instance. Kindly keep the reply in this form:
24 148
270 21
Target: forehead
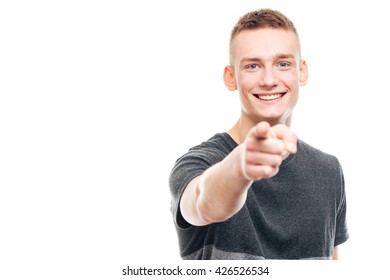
263 43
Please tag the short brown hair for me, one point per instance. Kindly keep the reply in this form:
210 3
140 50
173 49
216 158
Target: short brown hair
263 18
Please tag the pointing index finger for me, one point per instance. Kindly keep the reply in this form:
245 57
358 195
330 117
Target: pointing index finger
262 131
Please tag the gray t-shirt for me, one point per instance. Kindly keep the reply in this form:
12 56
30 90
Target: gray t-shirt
300 213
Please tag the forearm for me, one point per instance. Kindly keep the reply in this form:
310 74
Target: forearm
221 190
217 194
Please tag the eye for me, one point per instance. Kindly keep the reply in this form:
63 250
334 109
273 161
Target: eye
252 66
284 64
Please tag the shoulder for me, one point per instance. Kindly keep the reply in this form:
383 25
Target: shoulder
206 153
220 145
318 162
218 141
314 154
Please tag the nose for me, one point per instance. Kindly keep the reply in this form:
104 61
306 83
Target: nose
269 78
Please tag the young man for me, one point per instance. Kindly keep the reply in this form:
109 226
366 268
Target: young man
257 192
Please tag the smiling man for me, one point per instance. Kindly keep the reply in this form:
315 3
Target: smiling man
256 191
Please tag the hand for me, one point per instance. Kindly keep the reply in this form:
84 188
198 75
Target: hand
265 148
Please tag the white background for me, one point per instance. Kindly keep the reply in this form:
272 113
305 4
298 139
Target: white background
99 98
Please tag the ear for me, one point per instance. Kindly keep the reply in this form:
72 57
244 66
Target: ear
228 78
303 73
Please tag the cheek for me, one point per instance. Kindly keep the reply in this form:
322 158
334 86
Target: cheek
246 82
291 80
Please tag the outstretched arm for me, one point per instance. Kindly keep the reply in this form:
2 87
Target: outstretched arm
221 190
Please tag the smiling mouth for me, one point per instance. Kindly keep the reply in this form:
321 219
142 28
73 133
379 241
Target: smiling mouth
269 97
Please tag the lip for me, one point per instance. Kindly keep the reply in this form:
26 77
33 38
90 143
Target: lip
269 97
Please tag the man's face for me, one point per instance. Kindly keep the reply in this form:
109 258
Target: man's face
267 71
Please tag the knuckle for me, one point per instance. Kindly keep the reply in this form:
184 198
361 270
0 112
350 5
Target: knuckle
278 160
268 171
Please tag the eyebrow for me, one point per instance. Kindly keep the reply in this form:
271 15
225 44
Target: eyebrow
257 59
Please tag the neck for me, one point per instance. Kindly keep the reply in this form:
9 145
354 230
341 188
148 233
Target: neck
241 128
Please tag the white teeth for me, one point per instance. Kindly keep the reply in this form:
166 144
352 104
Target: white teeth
270 96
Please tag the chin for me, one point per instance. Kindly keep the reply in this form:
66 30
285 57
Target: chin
275 119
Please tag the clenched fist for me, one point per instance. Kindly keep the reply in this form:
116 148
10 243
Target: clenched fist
265 148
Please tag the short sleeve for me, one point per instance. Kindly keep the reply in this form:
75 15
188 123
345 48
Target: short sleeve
186 168
342 234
